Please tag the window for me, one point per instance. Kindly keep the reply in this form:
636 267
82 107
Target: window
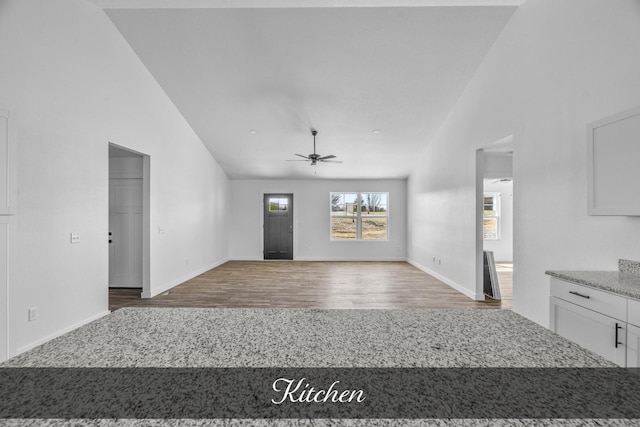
359 216
491 217
276 204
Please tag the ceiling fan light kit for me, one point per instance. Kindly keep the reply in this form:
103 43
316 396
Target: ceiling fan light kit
314 158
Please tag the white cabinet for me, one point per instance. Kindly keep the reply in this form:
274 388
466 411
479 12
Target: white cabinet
594 319
633 346
594 331
633 311
633 334
607 324
613 156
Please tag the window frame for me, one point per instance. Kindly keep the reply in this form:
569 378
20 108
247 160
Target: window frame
358 216
497 207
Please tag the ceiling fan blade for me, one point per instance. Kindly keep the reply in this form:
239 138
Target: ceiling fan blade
314 158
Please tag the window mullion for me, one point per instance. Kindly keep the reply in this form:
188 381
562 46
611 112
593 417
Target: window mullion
359 217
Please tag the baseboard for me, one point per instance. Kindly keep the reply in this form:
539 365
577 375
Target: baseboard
165 287
60 333
454 285
354 259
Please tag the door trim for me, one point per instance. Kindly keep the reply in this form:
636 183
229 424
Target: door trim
264 224
501 144
146 218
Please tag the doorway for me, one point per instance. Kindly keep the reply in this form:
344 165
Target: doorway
128 220
494 219
278 226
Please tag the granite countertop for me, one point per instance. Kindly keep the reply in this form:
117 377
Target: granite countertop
308 339
195 338
625 281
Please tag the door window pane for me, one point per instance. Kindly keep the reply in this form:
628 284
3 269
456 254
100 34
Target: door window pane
278 204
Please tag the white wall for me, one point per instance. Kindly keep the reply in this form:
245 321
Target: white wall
75 85
556 66
503 247
311 219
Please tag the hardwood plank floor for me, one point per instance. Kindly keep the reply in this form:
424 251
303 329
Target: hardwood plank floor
505 281
301 284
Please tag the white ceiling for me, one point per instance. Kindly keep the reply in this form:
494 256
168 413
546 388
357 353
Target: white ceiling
281 71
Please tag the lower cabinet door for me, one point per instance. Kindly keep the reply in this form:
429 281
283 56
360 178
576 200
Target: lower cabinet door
601 334
633 346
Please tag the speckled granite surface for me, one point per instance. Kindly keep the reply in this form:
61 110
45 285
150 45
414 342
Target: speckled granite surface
628 266
174 337
625 282
325 422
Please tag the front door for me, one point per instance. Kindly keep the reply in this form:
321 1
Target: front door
278 226
125 233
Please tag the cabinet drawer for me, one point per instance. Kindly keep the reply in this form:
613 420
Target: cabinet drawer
634 312
593 299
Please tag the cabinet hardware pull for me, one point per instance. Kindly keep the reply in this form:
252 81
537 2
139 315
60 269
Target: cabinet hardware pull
618 327
579 294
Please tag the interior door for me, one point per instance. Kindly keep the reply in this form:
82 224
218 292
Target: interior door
278 226
125 233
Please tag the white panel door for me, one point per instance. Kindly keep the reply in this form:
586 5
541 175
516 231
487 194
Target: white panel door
125 233
4 282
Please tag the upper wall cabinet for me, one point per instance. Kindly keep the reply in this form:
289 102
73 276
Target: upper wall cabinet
613 165
7 165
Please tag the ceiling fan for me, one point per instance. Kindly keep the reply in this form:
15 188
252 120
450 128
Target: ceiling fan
315 158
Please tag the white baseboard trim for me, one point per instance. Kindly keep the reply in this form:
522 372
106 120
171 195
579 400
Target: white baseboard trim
454 285
250 258
355 259
247 258
60 333
165 287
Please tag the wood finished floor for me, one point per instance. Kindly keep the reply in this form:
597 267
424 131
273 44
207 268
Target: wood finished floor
321 285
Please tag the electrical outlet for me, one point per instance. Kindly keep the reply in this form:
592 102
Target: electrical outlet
33 314
75 238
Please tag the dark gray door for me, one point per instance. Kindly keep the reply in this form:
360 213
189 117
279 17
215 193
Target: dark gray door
278 226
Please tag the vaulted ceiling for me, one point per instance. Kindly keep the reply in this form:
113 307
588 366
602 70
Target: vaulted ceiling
252 78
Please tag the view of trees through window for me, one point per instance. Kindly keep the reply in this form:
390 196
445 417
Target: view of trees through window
491 217
359 216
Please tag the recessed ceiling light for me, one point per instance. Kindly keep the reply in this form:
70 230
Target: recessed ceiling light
253 131
377 131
